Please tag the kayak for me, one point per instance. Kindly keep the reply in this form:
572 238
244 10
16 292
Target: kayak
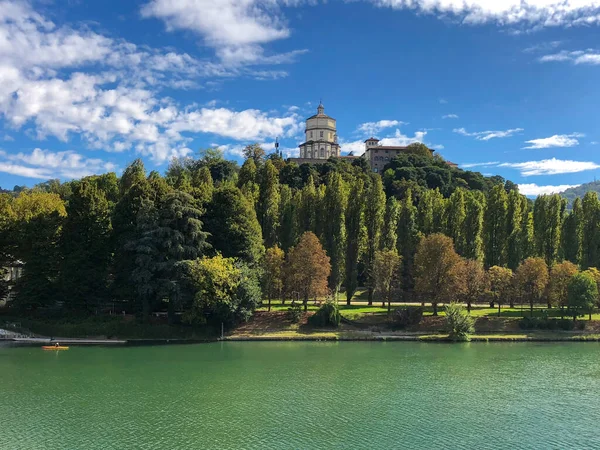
54 347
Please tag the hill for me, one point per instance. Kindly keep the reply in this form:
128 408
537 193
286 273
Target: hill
572 193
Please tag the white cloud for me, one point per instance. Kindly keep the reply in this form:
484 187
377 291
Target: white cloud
235 29
562 140
533 190
487 135
357 147
540 13
402 140
577 57
450 116
44 164
67 82
482 164
443 101
550 167
372 128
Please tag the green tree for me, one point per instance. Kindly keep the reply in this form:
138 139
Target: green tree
460 324
582 295
389 235
386 270
202 185
547 215
233 228
86 248
590 238
455 220
254 152
248 181
438 270
307 213
560 276
289 204
571 234
476 282
408 238
495 227
473 227
134 173
272 270
514 249
268 203
374 212
334 235
354 226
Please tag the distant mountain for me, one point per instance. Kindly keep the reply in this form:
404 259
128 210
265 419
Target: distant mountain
572 193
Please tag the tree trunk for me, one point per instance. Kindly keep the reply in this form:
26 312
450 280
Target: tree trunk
498 309
390 306
549 304
590 316
171 310
434 304
269 303
370 296
145 310
348 301
469 307
531 308
305 303
511 303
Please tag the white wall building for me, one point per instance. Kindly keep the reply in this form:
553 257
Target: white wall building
321 137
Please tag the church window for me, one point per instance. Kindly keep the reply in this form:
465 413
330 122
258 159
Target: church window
322 153
321 134
311 134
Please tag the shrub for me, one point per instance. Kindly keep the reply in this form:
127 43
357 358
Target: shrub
459 323
406 317
295 313
534 323
327 315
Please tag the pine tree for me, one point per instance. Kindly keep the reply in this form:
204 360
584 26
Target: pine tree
354 225
389 235
495 227
268 203
473 227
334 234
202 185
248 181
374 212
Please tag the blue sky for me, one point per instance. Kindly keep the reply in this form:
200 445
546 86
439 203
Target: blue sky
505 87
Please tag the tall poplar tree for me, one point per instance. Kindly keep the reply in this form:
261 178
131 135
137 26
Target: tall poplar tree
374 212
590 237
389 235
514 218
455 218
571 234
495 227
473 227
334 233
288 207
248 181
408 239
307 211
268 203
354 225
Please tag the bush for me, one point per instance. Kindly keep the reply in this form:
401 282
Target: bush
406 317
295 313
459 323
534 323
327 315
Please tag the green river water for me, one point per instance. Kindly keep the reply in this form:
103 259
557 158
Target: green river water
294 395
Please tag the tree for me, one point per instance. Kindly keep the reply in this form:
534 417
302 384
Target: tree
514 247
177 236
288 208
473 227
308 268
272 279
408 238
268 203
86 248
531 279
134 173
438 270
582 295
500 279
247 181
455 219
547 217
495 227
354 226
308 209
202 185
374 211
571 234
459 323
475 281
386 272
389 235
254 152
560 276
224 291
590 238
334 235
233 228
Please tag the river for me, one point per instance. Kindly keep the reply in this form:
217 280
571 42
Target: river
295 395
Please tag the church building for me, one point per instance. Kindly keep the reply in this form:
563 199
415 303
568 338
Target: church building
321 143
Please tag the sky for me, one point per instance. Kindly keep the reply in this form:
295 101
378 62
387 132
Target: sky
506 87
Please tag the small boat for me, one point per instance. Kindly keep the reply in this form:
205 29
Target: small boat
54 347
